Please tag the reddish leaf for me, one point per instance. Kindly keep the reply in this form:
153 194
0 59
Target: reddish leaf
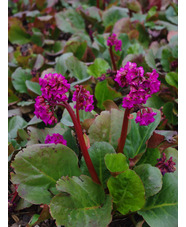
155 140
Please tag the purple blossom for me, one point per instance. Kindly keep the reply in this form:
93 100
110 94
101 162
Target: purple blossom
53 87
113 41
55 138
166 166
44 111
141 88
145 117
83 99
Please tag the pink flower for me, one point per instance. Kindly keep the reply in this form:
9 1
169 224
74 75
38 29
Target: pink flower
141 88
44 111
53 88
166 166
113 41
83 99
145 117
55 138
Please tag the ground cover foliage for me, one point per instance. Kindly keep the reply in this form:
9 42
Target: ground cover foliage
50 183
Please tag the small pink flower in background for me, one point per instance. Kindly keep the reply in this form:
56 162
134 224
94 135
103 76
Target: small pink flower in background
55 138
166 166
113 41
83 99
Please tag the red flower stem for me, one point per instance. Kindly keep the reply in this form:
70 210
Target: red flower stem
15 195
112 59
82 144
103 5
123 136
77 113
77 107
97 1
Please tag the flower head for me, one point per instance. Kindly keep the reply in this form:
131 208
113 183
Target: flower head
53 87
55 138
145 117
141 88
83 99
113 41
166 166
44 111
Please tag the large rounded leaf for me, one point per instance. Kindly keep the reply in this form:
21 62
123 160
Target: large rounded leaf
99 67
19 78
38 167
127 191
97 153
151 178
81 203
107 127
162 209
116 162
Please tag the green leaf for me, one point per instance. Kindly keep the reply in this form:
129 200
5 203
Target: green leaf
164 205
38 168
37 37
40 60
77 68
17 34
104 92
74 23
14 124
67 120
169 26
81 203
150 59
76 47
113 14
151 178
107 127
19 78
169 114
60 66
138 135
127 191
150 156
99 67
97 153
151 12
172 79
166 58
12 97
34 87
154 102
116 162
143 38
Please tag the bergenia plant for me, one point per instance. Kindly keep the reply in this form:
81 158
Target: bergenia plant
112 172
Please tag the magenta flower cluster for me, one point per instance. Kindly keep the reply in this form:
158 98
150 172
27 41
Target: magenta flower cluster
166 166
141 88
145 117
83 99
53 88
113 41
55 138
